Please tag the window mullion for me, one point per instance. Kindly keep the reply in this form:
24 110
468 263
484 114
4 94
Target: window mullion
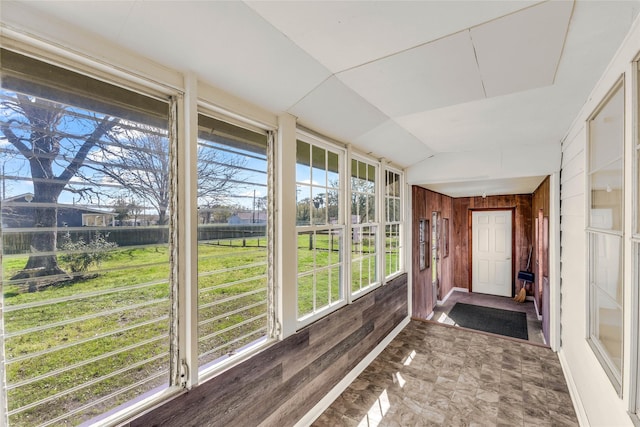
187 312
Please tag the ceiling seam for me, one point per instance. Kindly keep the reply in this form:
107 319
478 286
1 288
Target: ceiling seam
564 41
475 55
398 52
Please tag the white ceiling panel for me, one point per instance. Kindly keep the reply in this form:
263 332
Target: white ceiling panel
344 34
431 76
226 43
521 51
534 117
326 107
392 142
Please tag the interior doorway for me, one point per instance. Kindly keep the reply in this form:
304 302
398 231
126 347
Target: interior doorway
491 255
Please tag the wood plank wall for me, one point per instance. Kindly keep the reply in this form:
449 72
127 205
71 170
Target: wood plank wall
523 232
541 201
282 383
424 203
455 268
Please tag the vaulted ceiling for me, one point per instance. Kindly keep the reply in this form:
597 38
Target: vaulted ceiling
470 97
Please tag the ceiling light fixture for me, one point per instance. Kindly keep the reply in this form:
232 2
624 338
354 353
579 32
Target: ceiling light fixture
484 194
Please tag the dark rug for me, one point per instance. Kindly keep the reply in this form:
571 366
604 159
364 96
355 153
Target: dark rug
494 320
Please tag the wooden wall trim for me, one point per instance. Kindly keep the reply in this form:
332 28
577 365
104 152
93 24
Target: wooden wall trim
283 382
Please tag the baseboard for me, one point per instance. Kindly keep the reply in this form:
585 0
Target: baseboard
326 401
454 289
581 414
535 304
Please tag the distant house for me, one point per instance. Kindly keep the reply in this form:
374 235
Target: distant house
248 218
19 212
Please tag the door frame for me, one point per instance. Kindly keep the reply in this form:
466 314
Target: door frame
513 244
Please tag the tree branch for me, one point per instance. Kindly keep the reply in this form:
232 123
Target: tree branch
72 168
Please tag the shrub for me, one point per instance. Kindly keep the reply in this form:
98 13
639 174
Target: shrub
81 255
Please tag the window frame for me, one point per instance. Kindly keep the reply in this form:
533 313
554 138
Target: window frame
615 376
203 374
172 97
387 276
377 223
344 286
634 401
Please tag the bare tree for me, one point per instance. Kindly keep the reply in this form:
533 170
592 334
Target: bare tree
55 143
137 159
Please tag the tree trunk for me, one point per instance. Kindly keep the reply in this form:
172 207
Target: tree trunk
45 241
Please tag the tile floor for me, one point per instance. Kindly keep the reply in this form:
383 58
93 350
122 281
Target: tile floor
434 374
534 326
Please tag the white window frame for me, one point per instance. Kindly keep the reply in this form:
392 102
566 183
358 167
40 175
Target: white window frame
207 109
400 222
81 65
377 223
615 376
634 401
342 152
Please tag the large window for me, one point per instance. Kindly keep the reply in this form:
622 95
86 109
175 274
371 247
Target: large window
233 213
364 226
606 231
86 217
393 225
320 228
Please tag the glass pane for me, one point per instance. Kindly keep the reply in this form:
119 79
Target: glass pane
305 295
371 208
607 132
306 252
333 206
606 265
232 239
319 205
85 265
609 328
303 205
607 197
336 290
323 289
319 172
303 162
333 175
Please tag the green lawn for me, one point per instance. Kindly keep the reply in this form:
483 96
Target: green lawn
110 330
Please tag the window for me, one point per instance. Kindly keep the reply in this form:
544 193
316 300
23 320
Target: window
233 283
393 218
87 203
605 233
364 228
636 244
320 229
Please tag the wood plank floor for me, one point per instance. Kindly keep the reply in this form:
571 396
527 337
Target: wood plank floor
434 374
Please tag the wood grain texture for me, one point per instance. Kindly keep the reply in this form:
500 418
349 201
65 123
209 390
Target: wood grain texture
283 382
540 202
521 203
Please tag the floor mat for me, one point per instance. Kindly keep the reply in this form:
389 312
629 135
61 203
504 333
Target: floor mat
493 320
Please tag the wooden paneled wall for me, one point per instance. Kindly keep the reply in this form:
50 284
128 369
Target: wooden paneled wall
282 383
455 269
522 227
541 201
424 203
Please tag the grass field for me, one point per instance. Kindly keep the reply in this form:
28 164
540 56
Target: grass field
81 348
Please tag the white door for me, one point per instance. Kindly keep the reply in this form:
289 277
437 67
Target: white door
491 254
